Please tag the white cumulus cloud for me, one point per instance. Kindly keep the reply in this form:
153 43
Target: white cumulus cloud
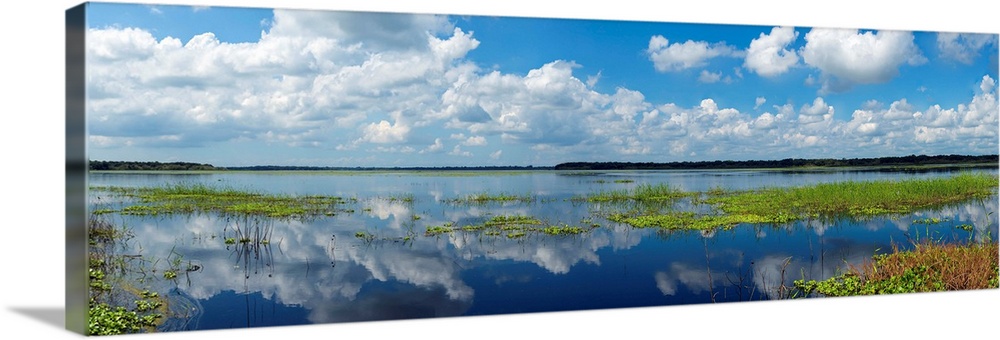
963 47
384 133
667 57
475 141
847 57
768 55
758 102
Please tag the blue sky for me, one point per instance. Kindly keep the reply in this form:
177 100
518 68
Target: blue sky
238 86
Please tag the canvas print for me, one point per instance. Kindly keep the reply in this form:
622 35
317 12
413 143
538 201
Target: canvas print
252 167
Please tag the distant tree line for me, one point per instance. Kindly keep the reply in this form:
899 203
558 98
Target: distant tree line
119 165
911 160
444 168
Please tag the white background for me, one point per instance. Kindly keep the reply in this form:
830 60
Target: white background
33 125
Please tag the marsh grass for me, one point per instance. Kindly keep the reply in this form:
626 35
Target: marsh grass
776 206
929 266
641 193
484 198
191 198
857 199
249 229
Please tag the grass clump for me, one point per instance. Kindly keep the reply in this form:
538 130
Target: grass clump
440 229
928 267
486 198
562 230
507 222
641 193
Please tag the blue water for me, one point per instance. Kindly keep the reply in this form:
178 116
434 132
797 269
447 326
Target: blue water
317 271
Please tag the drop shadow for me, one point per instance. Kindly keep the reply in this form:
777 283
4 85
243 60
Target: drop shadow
53 316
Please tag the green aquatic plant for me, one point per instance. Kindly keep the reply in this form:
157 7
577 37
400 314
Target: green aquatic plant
929 266
511 220
641 193
858 200
364 236
486 197
516 234
513 226
109 285
103 319
102 211
562 230
440 229
192 198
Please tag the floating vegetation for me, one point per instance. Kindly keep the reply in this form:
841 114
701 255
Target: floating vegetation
965 227
486 198
438 230
516 234
513 226
929 220
507 222
364 236
116 305
405 198
191 198
562 230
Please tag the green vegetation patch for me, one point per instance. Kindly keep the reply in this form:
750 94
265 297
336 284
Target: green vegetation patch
928 267
512 221
783 205
486 198
191 198
513 226
103 319
686 220
641 193
856 199
110 288
440 229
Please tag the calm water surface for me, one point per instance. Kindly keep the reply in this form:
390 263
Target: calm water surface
317 271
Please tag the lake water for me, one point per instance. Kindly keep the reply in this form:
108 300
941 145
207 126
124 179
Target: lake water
316 270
